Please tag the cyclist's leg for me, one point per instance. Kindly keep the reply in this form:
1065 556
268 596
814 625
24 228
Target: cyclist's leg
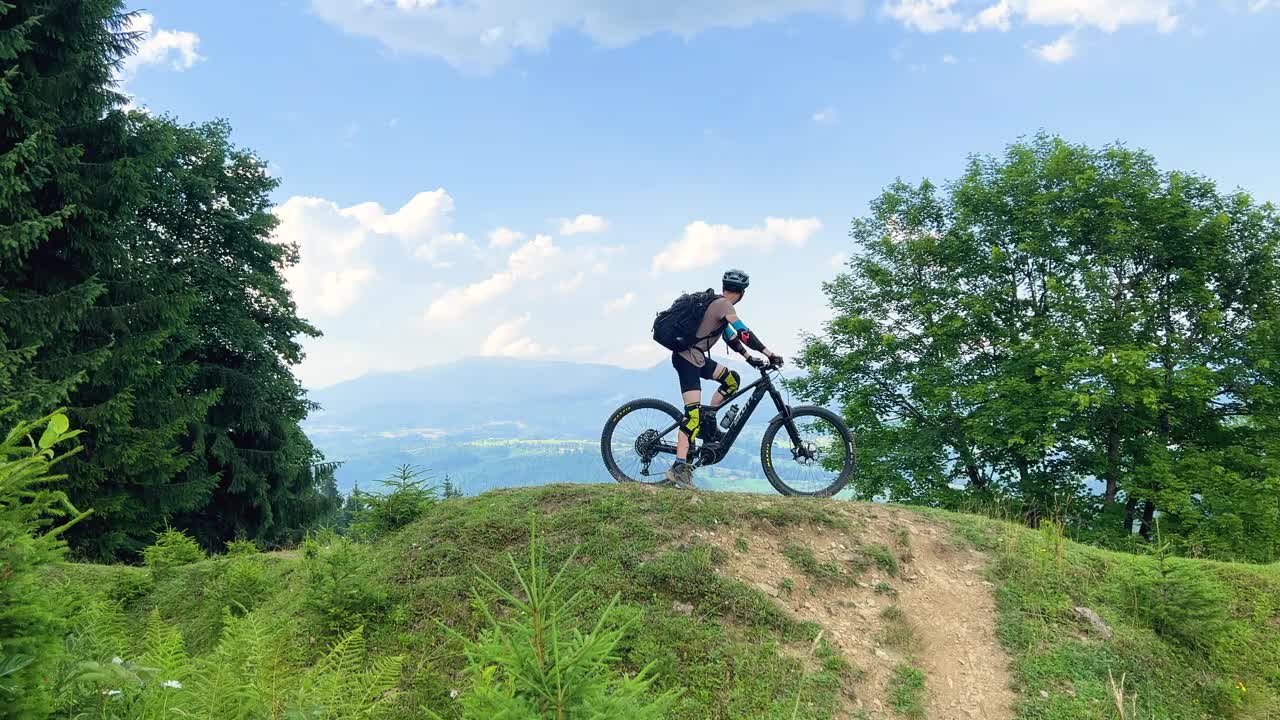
691 393
729 381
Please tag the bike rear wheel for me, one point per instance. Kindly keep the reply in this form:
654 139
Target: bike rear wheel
821 464
636 444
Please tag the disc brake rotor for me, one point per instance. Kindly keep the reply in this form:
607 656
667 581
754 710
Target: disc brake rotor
806 453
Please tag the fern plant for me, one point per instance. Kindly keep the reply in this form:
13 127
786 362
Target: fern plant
33 516
346 684
245 677
535 664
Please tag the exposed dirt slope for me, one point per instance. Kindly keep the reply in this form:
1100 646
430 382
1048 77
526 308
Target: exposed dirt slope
945 626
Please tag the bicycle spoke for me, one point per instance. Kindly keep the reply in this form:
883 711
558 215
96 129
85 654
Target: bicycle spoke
816 463
634 428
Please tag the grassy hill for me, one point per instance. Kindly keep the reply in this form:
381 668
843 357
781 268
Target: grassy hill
749 606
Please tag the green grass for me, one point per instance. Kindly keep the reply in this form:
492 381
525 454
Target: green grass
823 572
883 558
907 692
1186 640
1198 640
732 657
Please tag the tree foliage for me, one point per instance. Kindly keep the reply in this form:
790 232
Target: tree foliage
1072 330
140 288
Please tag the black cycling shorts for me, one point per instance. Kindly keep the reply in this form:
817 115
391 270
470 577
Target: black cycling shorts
691 376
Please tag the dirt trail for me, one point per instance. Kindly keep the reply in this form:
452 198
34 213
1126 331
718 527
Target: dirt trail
938 586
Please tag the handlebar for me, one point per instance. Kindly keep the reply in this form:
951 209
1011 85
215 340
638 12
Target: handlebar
762 365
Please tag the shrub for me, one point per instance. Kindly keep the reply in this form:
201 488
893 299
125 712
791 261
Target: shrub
242 583
1181 600
172 548
238 548
341 594
32 518
532 664
407 498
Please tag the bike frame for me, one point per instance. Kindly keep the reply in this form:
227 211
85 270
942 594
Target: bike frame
758 389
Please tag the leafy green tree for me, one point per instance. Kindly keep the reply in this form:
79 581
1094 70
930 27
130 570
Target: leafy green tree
212 203
1071 330
90 317
34 514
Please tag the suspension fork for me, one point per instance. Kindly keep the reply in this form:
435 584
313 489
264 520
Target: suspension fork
785 411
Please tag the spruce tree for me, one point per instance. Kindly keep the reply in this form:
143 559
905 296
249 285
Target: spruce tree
55 66
91 318
245 340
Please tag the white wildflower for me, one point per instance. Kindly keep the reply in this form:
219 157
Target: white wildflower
453 694
171 684
117 660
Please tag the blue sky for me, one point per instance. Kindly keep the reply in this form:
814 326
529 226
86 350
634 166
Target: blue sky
536 179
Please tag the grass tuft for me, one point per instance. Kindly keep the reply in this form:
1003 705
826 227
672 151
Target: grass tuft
883 558
898 632
907 692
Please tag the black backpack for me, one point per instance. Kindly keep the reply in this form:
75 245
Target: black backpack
676 328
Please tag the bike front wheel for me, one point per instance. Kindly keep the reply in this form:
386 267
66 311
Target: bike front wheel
638 442
810 453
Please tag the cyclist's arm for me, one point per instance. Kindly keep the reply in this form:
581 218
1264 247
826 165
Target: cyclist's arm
737 334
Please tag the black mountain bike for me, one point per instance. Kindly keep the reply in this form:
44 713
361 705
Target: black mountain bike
806 450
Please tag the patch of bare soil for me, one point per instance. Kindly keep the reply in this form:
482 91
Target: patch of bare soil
946 624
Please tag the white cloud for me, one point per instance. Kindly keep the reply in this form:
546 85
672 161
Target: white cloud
177 48
1058 51
484 34
993 17
508 340
619 304
838 261
570 284
333 271
336 244
583 224
825 116
504 237
422 224
703 244
1259 5
924 15
1106 16
949 59
528 262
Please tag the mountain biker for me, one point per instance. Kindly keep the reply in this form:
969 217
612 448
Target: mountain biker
694 365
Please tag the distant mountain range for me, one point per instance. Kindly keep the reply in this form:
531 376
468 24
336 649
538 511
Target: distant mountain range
490 422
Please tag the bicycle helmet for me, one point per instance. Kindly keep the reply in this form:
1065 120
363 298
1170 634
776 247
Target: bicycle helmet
736 280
